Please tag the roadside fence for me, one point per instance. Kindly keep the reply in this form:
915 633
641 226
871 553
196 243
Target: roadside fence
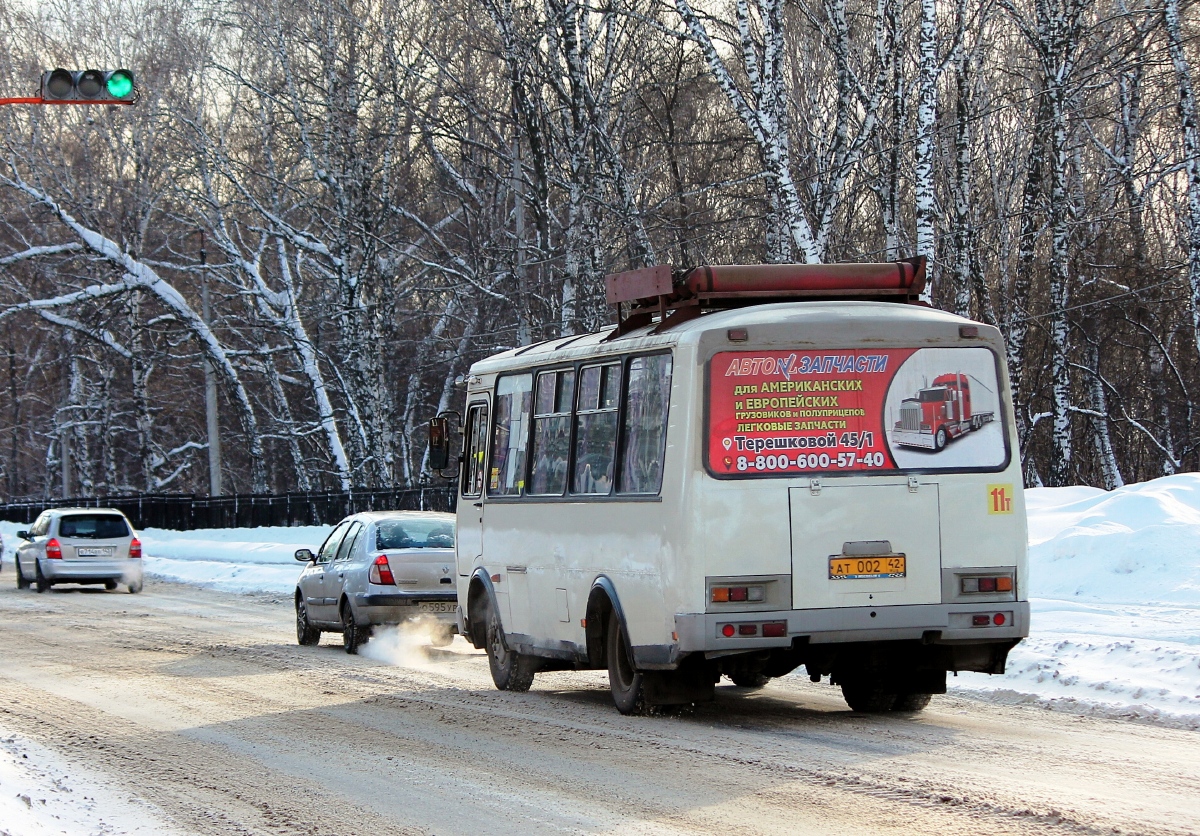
185 512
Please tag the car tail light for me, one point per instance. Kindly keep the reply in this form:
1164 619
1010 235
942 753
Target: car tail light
135 547
53 549
381 572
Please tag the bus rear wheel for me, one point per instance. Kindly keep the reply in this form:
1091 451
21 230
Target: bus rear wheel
511 671
868 696
911 703
626 682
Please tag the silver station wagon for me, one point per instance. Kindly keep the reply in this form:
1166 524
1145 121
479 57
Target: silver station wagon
79 545
379 568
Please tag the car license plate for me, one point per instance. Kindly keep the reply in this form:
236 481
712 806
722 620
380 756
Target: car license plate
94 552
852 568
437 606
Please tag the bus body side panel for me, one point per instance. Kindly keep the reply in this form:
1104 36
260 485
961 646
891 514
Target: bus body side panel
548 554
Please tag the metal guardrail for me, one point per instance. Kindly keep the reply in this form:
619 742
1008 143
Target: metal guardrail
185 512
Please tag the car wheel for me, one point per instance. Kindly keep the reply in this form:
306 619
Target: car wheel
749 680
110 585
22 581
912 703
939 440
868 697
135 587
306 634
354 635
511 671
625 682
42 582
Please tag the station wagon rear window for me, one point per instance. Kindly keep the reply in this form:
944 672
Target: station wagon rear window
843 411
93 527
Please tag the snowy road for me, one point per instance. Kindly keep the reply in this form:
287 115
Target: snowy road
200 705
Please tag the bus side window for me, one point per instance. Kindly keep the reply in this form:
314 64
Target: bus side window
552 432
476 444
510 434
596 429
644 440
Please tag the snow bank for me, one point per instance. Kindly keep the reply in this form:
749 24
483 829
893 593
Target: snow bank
1115 589
233 559
1139 544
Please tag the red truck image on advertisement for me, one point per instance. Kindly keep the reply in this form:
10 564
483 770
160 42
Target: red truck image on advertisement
938 413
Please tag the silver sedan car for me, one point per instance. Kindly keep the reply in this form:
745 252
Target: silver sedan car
377 568
79 545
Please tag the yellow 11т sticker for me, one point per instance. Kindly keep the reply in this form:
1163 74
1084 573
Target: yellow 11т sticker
1000 499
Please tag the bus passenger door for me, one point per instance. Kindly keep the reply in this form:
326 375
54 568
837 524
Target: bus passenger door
469 534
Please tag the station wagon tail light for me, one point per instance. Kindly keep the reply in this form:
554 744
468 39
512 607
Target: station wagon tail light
135 547
736 594
53 549
381 572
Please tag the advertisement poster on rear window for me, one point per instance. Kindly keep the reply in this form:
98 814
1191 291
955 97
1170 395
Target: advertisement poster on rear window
795 412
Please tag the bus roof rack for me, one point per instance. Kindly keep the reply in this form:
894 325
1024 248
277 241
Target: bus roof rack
678 295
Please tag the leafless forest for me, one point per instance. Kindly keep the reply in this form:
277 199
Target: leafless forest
333 208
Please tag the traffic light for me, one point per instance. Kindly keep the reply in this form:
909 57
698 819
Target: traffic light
61 86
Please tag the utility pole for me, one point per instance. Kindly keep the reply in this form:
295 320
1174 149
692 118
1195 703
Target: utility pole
210 387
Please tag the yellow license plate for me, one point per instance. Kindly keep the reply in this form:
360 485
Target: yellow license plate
850 568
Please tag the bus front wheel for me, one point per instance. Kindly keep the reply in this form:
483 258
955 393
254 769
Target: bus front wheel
511 671
627 683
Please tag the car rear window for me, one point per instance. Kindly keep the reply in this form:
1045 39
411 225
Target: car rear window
93 526
414 534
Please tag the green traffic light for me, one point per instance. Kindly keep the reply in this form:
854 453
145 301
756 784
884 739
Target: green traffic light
120 84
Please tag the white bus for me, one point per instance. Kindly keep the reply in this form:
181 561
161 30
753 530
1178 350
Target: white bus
710 488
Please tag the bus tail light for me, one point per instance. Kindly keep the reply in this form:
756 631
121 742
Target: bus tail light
728 631
775 629
988 585
53 549
998 619
980 621
381 572
747 629
735 594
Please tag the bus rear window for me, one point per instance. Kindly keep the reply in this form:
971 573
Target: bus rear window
793 412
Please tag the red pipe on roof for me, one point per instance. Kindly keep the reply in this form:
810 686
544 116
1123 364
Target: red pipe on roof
902 276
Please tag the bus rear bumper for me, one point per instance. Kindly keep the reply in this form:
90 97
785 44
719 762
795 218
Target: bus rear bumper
931 623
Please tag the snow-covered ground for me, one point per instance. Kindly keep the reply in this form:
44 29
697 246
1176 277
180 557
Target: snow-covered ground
1114 583
41 794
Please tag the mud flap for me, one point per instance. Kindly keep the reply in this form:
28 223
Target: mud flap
692 681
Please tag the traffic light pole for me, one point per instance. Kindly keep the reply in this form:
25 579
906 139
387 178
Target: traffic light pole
38 100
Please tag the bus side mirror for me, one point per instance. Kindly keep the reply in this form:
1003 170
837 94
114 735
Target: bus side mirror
439 443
